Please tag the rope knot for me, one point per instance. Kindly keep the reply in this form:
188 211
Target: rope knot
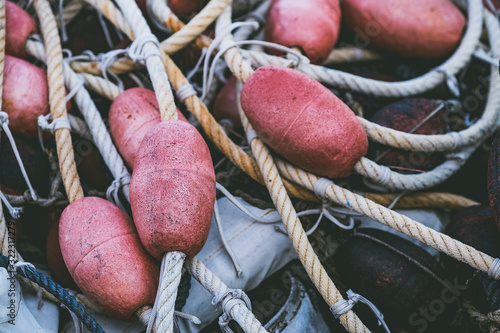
138 51
353 298
320 188
228 300
116 185
185 91
15 212
4 118
106 60
23 266
43 123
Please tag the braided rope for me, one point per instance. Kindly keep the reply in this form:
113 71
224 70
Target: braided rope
101 86
193 28
487 322
397 181
28 271
184 34
418 142
346 198
394 89
240 158
57 101
422 200
4 232
170 280
162 13
151 55
239 312
279 196
397 221
71 10
217 134
97 127
296 232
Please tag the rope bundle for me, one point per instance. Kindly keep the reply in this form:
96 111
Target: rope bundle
286 180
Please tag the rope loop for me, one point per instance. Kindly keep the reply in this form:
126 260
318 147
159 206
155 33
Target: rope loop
4 118
494 270
353 298
4 124
138 51
23 266
451 81
15 212
228 300
43 123
75 90
106 60
486 57
115 187
86 55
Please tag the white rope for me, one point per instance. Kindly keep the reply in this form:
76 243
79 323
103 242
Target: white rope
105 60
482 55
105 29
227 301
326 212
215 44
164 306
137 50
43 123
185 91
73 91
345 305
494 270
15 212
411 87
4 122
450 79
145 316
396 199
196 68
166 12
246 211
64 34
115 187
297 60
229 251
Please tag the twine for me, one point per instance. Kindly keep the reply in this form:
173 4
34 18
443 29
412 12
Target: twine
228 300
343 306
